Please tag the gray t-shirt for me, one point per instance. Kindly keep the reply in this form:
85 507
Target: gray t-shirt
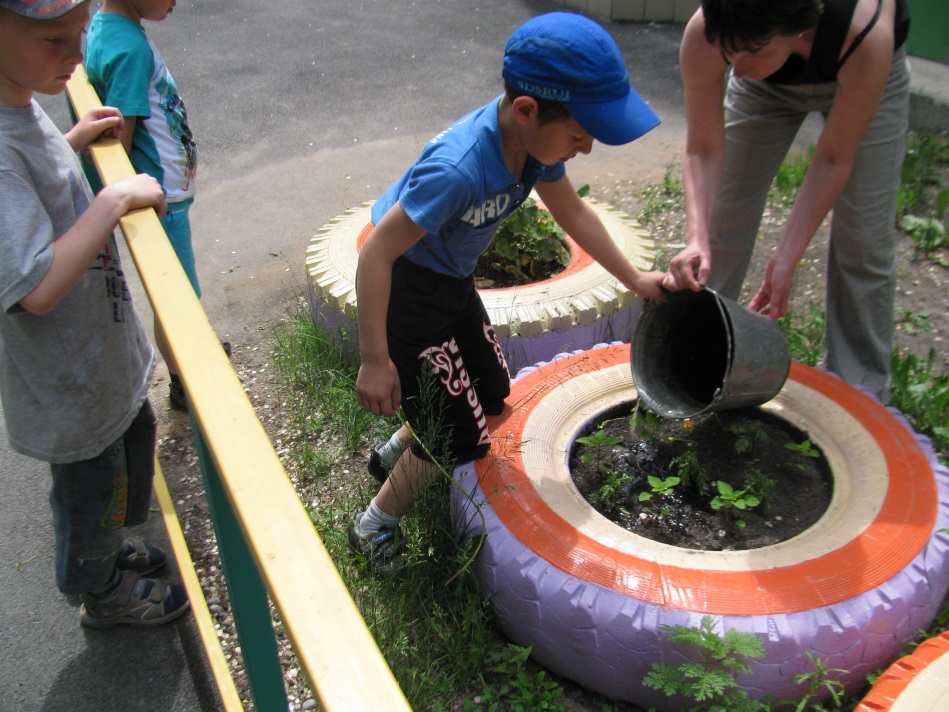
73 379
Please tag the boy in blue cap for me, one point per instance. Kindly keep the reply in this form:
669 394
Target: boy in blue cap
75 362
420 317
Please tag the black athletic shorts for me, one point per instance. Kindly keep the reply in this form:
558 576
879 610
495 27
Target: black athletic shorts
438 323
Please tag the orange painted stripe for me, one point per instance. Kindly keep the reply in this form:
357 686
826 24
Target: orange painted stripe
900 530
363 236
892 683
578 260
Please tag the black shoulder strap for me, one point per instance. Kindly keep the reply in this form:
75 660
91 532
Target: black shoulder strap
859 38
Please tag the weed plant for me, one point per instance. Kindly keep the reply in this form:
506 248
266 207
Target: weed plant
662 199
923 197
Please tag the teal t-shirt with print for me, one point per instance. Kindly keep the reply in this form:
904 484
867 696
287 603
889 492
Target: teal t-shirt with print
128 73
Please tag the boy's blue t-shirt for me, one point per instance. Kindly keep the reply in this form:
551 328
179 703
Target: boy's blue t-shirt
459 190
128 73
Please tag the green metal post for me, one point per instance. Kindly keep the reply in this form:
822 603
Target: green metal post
245 589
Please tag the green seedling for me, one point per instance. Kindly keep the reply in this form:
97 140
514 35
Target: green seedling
804 448
659 486
611 492
728 498
690 470
749 433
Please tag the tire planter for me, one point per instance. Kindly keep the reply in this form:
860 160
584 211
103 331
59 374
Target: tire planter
582 306
915 683
591 597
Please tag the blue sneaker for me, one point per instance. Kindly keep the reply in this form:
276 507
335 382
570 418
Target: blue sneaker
381 549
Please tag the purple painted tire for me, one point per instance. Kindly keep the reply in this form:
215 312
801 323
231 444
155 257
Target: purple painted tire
582 306
592 598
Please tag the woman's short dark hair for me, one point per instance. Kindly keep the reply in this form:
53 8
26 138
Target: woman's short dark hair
548 110
737 25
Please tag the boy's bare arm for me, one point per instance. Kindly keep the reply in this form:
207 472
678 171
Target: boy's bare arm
377 385
101 121
125 132
75 250
580 221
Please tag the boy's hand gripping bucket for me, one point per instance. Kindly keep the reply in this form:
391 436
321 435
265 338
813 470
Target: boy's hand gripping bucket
700 352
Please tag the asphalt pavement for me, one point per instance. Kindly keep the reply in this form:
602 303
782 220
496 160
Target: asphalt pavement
301 110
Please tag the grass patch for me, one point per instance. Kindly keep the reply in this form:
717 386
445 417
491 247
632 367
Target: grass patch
434 629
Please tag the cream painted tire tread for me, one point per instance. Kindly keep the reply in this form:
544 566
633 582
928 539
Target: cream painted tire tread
591 598
582 306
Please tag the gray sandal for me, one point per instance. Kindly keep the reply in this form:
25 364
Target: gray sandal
140 557
137 602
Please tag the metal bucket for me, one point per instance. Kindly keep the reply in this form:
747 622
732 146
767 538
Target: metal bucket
700 352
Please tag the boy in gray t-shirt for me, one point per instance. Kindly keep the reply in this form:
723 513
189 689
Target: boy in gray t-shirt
75 362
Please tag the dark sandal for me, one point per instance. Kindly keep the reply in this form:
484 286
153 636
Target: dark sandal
140 557
137 602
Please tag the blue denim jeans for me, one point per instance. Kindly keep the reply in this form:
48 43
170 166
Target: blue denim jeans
93 500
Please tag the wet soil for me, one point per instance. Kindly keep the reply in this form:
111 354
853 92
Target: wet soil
747 449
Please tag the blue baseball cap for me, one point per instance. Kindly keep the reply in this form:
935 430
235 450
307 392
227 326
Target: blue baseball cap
569 58
41 9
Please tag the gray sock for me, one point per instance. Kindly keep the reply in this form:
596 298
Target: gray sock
392 450
374 519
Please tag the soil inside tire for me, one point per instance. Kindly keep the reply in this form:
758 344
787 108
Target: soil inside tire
488 276
730 446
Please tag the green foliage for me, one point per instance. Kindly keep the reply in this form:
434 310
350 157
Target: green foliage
711 681
688 466
805 335
921 179
611 492
762 485
313 371
613 489
598 438
528 243
748 434
923 396
659 486
928 232
790 176
923 196
816 680
520 691
913 323
805 448
667 197
730 499
644 420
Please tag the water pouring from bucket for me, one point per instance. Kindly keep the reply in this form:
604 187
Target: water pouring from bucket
700 352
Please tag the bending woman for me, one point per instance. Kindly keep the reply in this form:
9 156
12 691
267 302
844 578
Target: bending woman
753 70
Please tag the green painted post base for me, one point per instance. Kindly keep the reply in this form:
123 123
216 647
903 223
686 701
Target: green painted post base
245 589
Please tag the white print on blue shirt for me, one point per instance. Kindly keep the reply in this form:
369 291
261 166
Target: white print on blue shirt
491 209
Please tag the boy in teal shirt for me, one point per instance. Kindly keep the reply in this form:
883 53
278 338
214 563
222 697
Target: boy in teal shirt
129 73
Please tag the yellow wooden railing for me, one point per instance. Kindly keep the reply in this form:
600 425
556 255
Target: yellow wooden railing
343 665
